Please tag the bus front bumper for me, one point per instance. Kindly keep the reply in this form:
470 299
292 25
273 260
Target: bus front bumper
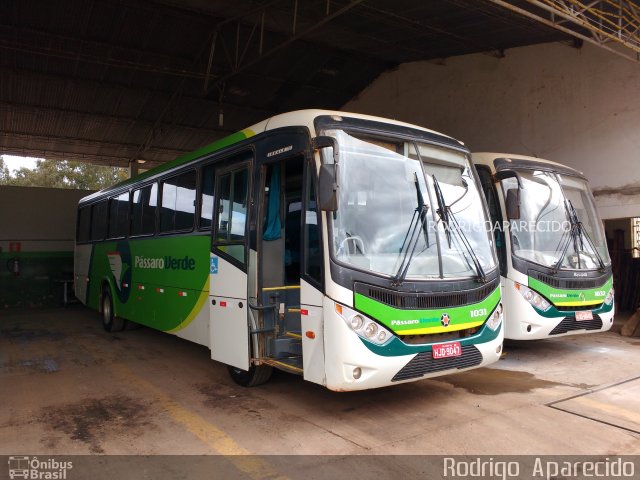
351 365
523 322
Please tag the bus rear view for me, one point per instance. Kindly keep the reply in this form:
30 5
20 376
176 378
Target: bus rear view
555 267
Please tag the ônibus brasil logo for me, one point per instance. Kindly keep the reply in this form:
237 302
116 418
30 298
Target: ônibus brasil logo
33 468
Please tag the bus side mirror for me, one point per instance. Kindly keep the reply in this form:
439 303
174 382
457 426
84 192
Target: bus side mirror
513 204
328 187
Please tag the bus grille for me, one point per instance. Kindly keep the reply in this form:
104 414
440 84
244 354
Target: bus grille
424 363
424 301
569 324
569 283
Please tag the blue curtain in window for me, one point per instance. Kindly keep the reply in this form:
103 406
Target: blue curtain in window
274 225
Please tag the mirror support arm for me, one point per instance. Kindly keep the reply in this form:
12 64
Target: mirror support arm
328 178
502 174
324 141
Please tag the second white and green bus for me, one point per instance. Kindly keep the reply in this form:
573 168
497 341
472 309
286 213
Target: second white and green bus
556 272
322 243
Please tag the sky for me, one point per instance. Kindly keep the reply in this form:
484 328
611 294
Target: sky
14 163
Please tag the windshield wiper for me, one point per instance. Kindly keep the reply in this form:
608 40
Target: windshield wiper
419 219
573 237
576 234
449 220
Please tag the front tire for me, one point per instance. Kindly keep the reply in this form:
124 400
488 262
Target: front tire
110 322
256 375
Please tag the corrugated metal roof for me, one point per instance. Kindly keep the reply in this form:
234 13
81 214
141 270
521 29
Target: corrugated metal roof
110 81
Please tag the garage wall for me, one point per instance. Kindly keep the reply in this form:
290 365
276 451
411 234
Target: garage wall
580 107
37 228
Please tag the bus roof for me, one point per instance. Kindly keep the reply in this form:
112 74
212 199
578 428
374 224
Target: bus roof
296 118
487 158
307 117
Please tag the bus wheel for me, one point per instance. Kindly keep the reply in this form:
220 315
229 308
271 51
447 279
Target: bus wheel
256 375
110 322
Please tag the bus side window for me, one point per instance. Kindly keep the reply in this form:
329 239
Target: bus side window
84 224
99 220
490 193
168 204
312 245
177 210
118 216
143 212
207 181
186 201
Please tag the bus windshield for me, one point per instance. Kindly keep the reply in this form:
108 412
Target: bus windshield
542 234
388 219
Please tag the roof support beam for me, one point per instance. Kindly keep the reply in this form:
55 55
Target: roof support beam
239 65
605 23
56 148
237 62
49 112
32 42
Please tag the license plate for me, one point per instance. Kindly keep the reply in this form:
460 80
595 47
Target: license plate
585 315
446 350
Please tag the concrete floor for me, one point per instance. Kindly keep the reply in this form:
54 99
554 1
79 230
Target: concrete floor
67 387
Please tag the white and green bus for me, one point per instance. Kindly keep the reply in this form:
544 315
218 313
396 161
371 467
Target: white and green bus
555 266
322 243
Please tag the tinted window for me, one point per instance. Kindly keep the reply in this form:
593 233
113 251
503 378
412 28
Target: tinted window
119 216
178 202
206 197
84 224
143 211
232 213
312 247
99 220
491 195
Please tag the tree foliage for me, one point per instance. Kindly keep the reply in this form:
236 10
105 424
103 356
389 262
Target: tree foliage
63 174
4 173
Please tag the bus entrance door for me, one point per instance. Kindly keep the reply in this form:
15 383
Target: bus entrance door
229 330
278 285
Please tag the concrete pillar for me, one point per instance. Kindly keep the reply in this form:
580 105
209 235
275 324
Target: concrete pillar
133 168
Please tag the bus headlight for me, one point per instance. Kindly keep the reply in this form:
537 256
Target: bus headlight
364 327
609 299
533 297
357 322
371 329
495 319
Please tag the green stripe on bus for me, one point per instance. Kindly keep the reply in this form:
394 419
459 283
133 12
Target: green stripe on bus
572 298
160 282
397 347
419 322
213 147
202 299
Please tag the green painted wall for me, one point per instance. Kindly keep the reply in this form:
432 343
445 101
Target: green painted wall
38 283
